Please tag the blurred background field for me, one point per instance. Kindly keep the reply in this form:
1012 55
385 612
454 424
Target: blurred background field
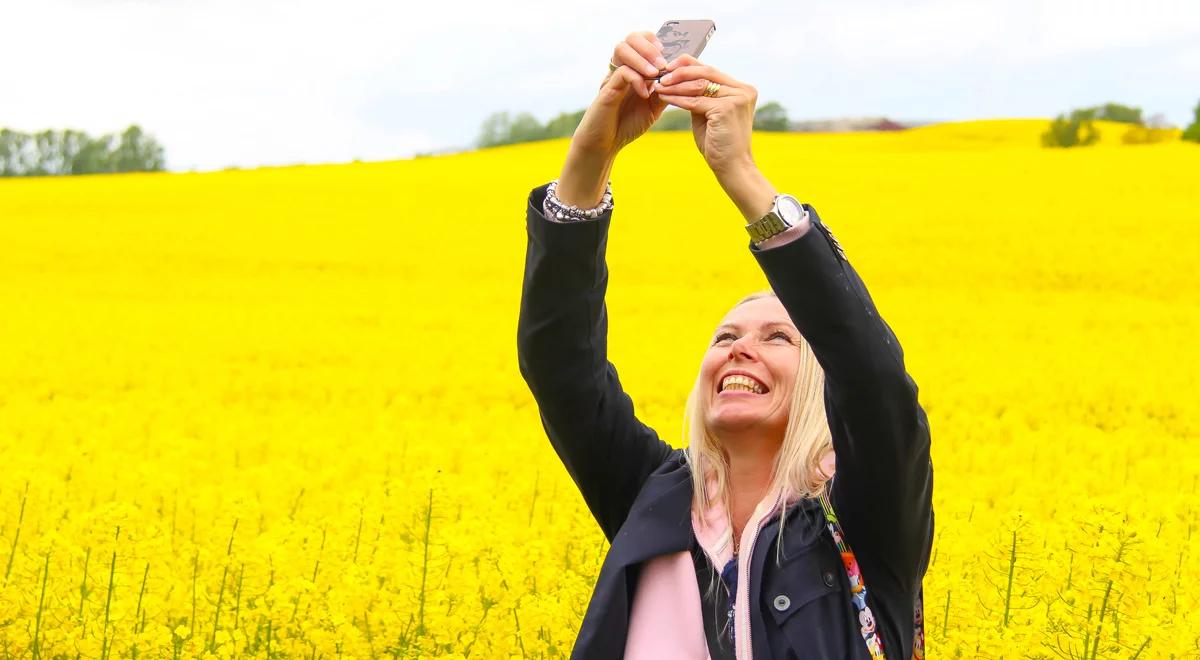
277 412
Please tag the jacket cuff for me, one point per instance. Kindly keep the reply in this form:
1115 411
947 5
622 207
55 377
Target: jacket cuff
574 251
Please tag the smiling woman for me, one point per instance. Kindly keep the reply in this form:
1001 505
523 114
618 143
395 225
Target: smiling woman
802 407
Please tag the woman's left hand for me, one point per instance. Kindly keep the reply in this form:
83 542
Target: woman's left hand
721 124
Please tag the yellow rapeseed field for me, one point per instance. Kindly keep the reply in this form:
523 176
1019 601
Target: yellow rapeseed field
277 413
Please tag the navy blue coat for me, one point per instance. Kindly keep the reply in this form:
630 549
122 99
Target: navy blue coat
639 489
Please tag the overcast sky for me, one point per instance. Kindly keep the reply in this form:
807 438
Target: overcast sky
249 82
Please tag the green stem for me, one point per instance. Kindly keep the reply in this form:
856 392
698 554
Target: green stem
946 615
237 604
112 573
1012 566
212 642
37 629
425 564
16 537
137 615
83 591
1100 620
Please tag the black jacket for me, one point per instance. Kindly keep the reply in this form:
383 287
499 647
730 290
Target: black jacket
639 489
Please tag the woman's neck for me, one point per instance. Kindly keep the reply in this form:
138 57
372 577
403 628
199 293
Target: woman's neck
750 471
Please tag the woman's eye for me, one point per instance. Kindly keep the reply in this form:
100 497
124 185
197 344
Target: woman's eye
778 333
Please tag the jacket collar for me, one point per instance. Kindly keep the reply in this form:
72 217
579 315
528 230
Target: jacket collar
659 521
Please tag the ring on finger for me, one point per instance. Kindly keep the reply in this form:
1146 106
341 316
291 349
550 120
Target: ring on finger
712 88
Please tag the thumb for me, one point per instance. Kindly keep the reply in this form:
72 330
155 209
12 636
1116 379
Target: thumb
619 83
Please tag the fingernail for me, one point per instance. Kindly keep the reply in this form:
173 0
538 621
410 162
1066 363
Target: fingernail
666 80
660 62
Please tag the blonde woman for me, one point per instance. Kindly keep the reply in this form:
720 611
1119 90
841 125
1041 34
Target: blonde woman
798 522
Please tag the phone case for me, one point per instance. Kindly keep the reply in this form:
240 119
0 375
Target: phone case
679 37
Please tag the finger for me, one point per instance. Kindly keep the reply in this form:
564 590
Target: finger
638 53
685 88
650 48
682 59
623 78
652 38
693 104
699 71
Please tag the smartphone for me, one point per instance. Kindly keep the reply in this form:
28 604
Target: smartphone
679 37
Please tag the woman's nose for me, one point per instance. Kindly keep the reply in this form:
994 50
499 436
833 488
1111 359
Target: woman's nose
740 346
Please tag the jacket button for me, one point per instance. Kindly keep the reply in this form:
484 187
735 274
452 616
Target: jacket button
782 602
828 577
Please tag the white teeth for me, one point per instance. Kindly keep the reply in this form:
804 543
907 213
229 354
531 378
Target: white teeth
742 383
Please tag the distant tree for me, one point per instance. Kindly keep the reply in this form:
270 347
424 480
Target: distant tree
1192 132
17 155
501 128
91 154
495 130
1121 113
1065 131
137 152
564 124
75 152
674 119
771 117
526 128
1147 135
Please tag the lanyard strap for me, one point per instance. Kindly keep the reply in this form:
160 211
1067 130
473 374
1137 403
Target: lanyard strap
858 592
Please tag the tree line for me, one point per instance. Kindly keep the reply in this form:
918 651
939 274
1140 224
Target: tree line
1078 129
502 128
65 152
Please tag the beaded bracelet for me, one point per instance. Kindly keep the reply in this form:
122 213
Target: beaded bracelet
569 212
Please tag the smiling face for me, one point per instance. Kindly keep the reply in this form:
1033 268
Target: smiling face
757 340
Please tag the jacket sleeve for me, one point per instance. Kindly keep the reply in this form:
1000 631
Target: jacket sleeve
563 356
882 489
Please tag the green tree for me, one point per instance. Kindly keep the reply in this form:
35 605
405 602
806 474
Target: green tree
51 152
771 117
673 119
564 124
501 128
1122 113
92 155
1192 132
495 130
1066 131
137 152
526 128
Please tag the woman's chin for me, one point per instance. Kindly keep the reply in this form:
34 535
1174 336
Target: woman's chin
735 416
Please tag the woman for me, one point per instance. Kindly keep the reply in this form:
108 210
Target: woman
731 548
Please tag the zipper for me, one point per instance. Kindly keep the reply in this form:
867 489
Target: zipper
743 640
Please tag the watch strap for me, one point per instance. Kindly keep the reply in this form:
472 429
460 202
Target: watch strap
768 225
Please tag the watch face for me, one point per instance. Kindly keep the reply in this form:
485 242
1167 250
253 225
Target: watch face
790 209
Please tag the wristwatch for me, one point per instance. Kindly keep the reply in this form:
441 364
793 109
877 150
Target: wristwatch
786 212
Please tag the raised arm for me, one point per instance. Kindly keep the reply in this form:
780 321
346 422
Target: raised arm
883 485
562 352
562 332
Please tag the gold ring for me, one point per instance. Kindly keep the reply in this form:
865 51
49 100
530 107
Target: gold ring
612 67
712 88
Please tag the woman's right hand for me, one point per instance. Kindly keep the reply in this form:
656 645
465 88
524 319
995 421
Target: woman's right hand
625 108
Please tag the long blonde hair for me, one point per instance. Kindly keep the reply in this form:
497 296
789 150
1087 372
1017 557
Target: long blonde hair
806 439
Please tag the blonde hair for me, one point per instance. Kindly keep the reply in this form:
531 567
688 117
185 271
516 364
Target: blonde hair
806 439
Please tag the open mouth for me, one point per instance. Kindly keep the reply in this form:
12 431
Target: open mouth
741 384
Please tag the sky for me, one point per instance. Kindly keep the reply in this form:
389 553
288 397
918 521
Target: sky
224 83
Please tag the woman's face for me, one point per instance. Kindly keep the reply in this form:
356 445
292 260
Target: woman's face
757 339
